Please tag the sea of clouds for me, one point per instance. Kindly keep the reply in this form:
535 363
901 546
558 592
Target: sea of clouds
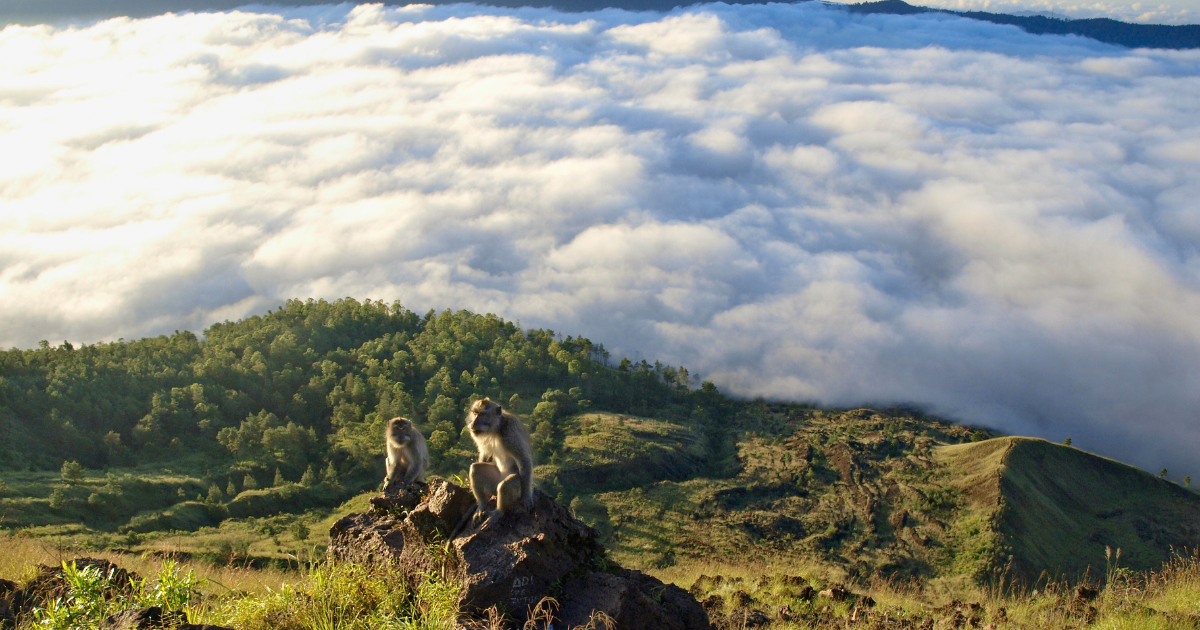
790 200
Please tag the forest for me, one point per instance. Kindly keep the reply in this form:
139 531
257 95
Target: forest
303 392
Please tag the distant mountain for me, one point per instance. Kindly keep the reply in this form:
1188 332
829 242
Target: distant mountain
867 491
1100 29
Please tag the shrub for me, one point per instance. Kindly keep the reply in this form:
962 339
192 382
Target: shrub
57 498
72 472
89 596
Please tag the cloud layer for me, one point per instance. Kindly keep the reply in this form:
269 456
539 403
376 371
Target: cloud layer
790 200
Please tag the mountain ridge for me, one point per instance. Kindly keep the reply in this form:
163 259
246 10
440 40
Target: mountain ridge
1105 30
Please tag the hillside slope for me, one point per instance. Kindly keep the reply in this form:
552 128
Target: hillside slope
875 491
1055 508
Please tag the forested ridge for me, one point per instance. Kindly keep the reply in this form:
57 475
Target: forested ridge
305 391
1109 31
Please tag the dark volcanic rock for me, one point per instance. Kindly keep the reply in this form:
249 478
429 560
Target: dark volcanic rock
837 593
632 599
8 592
519 560
141 619
49 584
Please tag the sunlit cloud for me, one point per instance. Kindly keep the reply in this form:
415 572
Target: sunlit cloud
791 200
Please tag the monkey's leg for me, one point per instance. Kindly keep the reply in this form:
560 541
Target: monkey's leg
508 494
508 497
411 471
485 476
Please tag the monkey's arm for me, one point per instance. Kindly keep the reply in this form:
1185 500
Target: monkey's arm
391 468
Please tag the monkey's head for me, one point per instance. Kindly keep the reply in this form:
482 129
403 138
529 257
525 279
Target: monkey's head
400 430
486 417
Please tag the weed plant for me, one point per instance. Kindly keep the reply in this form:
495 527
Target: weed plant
91 595
343 597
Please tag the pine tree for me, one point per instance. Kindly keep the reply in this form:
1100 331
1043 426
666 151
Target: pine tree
230 489
249 483
72 472
330 476
279 480
309 478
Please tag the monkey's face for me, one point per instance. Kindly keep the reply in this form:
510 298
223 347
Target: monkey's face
485 417
401 431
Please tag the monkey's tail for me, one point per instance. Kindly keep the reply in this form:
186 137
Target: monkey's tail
462 525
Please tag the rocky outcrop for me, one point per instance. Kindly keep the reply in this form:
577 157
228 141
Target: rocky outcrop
50 584
142 619
512 565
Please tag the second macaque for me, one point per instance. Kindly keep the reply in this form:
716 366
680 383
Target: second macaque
407 455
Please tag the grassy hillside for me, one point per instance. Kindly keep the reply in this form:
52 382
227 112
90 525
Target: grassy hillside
1055 508
869 492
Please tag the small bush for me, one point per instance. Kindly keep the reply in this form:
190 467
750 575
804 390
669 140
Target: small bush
72 472
89 596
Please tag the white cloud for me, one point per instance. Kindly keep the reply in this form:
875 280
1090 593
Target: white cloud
795 201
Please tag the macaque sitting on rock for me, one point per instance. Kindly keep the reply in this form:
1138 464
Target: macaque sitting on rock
505 467
407 456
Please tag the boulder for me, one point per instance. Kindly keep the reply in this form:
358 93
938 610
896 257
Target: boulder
49 584
837 593
514 564
8 618
141 619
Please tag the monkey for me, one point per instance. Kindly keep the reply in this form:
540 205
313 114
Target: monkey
505 466
406 453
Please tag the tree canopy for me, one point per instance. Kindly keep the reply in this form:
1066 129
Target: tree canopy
308 387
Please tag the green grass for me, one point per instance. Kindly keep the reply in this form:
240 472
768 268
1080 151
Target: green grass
348 596
341 596
1055 508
